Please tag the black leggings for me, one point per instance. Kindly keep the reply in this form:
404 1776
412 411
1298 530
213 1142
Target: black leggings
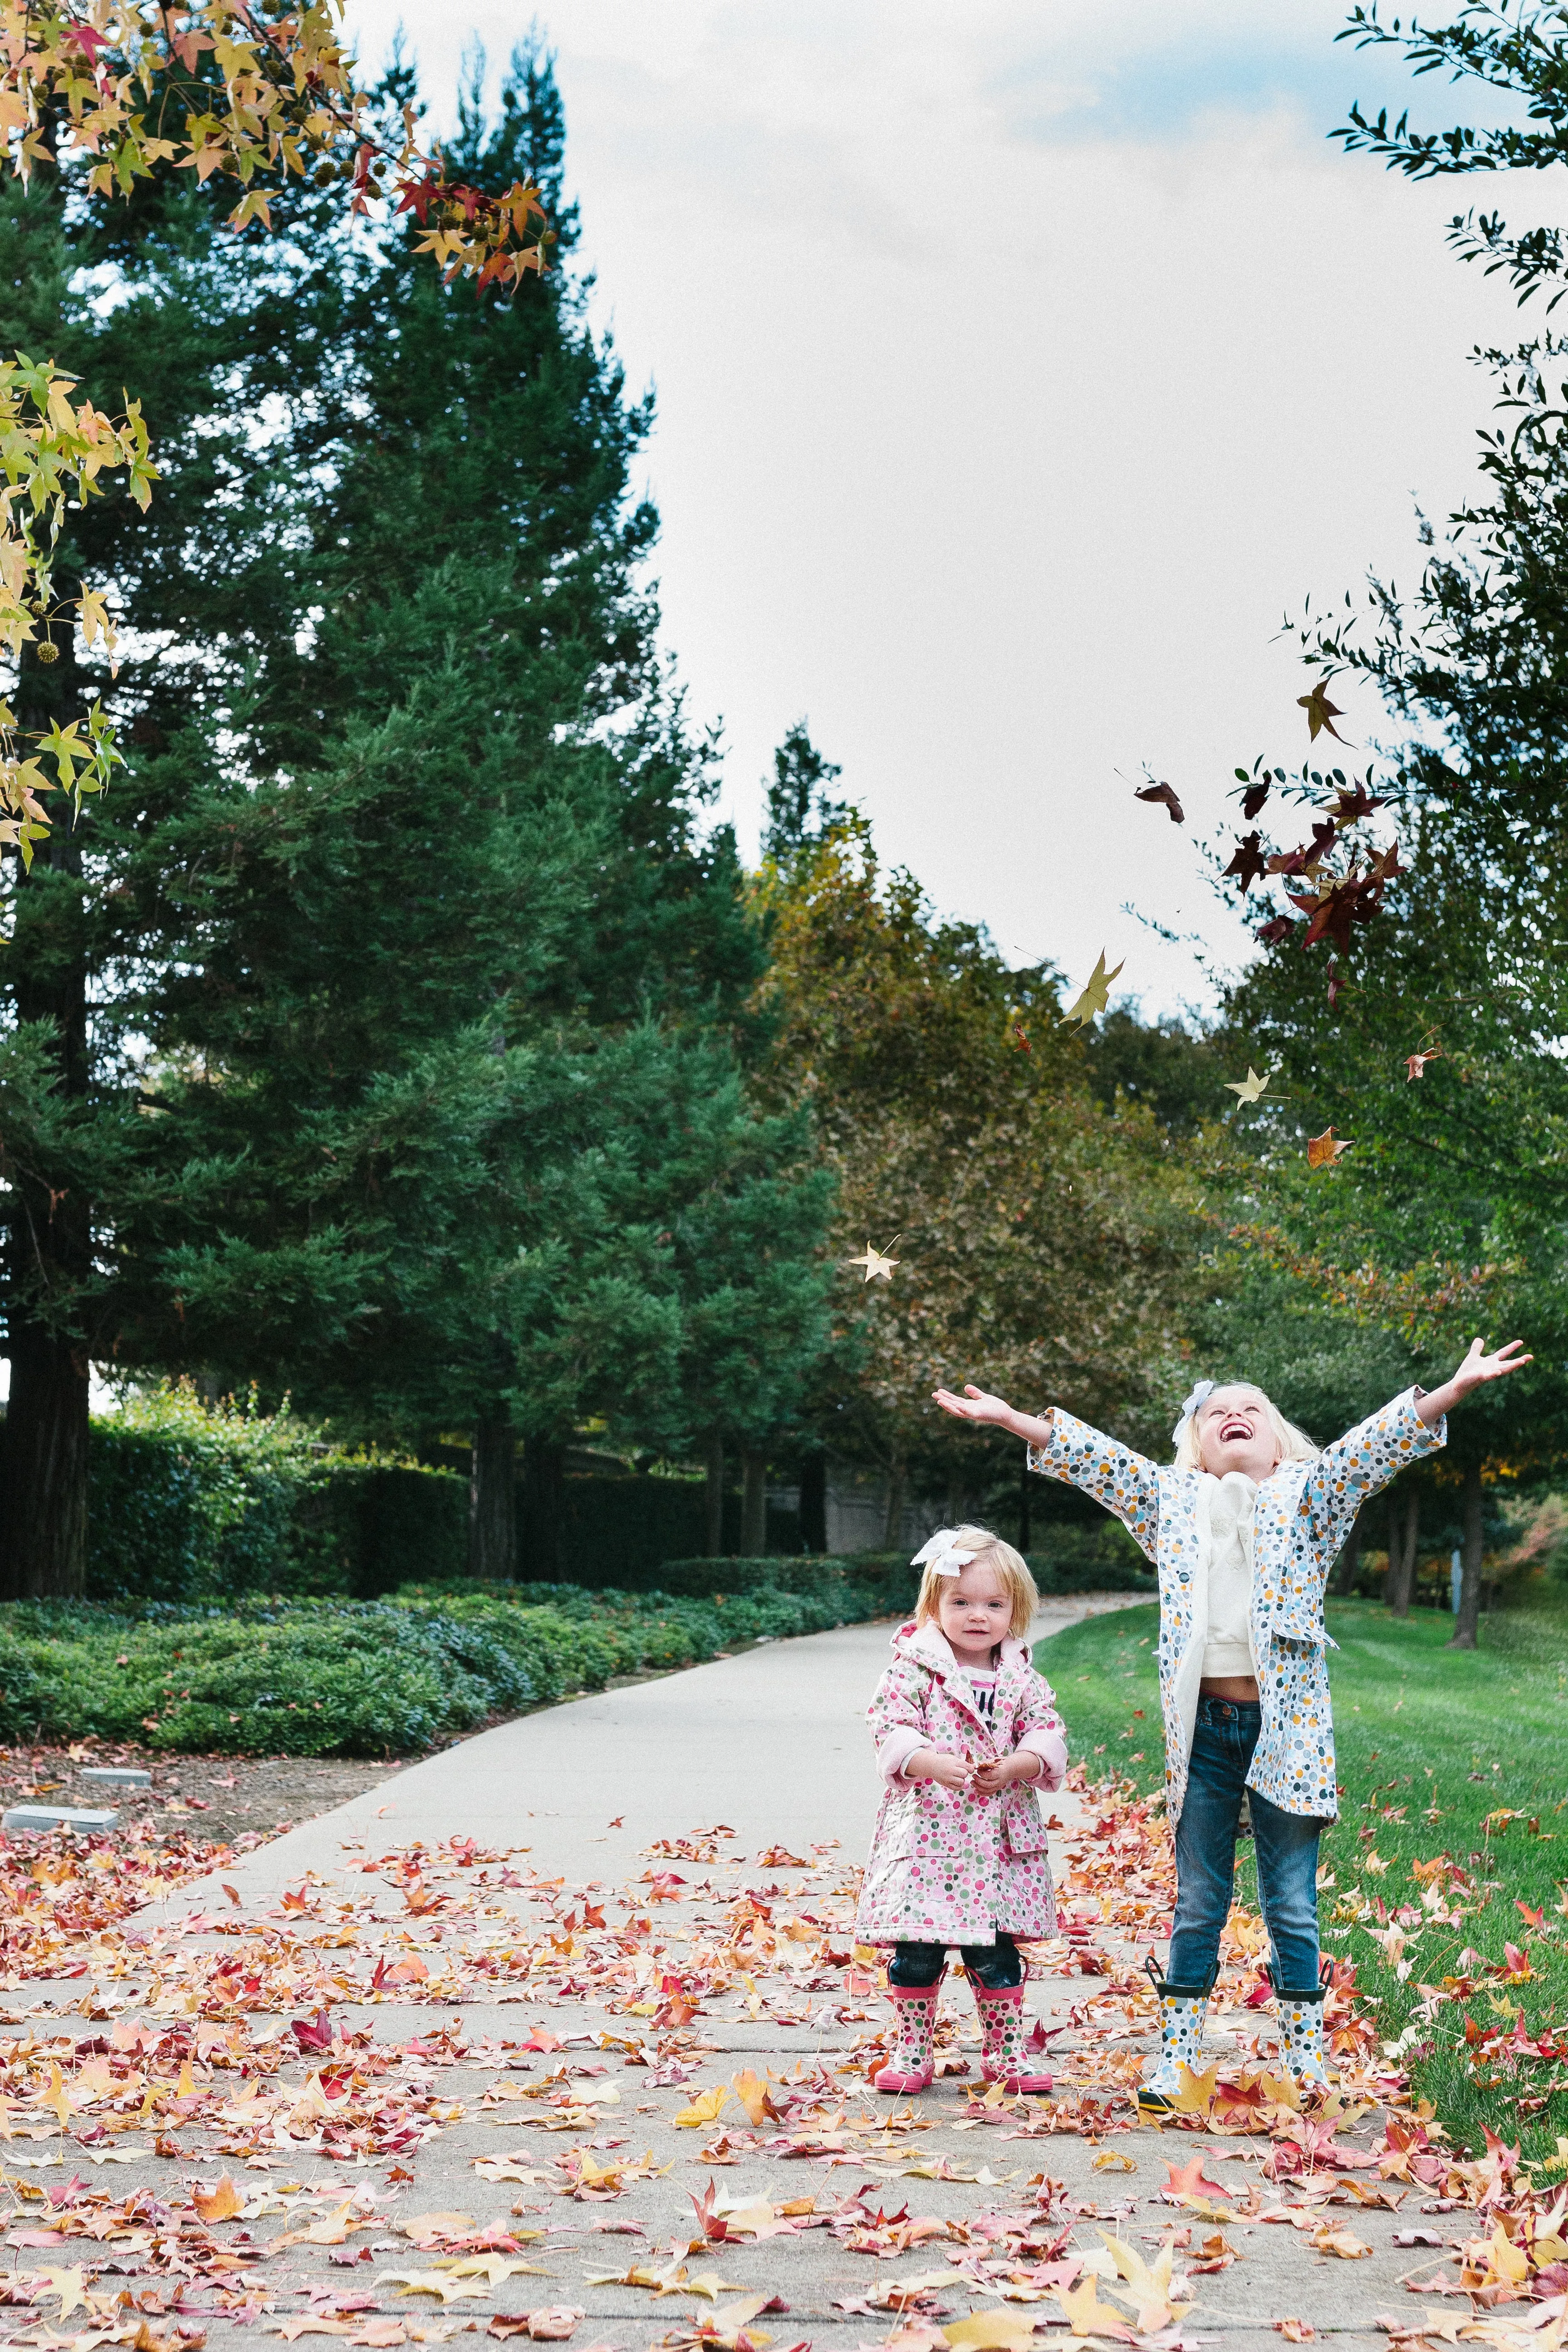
996 1967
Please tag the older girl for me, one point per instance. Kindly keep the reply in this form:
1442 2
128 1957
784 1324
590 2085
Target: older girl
965 1733
1243 1529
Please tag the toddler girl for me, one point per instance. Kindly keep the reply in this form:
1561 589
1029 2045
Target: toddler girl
1243 1529
965 1733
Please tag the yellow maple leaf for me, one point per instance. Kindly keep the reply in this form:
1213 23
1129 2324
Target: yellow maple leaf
705 2109
1095 995
67 2284
990 2331
439 2282
1086 2315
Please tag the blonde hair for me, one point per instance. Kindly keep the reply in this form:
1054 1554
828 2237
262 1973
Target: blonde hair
984 1550
1294 1443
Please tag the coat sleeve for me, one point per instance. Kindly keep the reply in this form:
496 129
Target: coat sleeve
1043 1733
1125 1482
1360 1465
897 1716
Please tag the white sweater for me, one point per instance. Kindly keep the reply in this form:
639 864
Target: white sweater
1227 1641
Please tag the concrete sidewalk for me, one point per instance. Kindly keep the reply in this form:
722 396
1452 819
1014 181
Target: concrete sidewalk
773 1742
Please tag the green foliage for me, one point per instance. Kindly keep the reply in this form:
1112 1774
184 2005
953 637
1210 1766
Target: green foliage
338 1677
1431 1744
188 1501
1048 1232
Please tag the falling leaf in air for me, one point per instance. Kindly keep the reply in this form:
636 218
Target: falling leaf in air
1253 798
1323 1150
874 1262
1416 1063
1354 802
1248 863
1251 1088
1165 794
1320 713
1096 994
1021 1039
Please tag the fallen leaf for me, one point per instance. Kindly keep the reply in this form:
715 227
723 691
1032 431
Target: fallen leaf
220 2203
437 2283
707 2105
990 2331
1297 2331
1343 2242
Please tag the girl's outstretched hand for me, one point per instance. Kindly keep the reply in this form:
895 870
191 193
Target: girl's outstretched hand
975 1405
1473 1373
1478 1366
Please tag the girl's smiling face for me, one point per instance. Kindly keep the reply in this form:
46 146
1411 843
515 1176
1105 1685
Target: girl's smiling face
1234 1434
974 1612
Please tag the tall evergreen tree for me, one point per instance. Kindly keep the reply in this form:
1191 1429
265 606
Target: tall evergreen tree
232 342
444 1116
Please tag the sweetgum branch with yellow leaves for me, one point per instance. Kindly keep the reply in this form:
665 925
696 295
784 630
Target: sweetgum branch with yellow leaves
222 88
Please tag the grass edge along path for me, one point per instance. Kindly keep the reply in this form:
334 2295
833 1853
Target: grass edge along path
1442 1883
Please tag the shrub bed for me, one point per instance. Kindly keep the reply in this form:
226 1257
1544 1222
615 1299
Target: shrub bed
325 1677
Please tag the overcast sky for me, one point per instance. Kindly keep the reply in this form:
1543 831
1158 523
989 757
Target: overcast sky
1018 367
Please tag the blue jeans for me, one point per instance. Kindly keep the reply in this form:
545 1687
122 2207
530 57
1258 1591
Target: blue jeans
1224 1737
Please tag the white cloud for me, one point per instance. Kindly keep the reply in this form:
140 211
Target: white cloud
1015 372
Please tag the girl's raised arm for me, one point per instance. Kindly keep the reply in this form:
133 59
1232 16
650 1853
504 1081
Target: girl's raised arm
1062 1447
1362 1461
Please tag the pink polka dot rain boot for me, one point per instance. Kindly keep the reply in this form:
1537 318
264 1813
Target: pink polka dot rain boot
1003 2057
909 2068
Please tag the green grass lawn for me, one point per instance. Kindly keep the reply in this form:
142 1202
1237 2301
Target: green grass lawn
1434 1748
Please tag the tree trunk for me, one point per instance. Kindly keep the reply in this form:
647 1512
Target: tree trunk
492 1500
1025 1475
45 1466
1347 1568
1402 1553
713 1544
813 1502
43 1499
754 1505
1470 1589
542 1511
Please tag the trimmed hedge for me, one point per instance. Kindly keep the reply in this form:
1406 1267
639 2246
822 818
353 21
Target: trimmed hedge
192 1503
322 1677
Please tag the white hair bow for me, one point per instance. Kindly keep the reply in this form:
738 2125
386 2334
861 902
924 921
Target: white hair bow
1196 1395
943 1554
